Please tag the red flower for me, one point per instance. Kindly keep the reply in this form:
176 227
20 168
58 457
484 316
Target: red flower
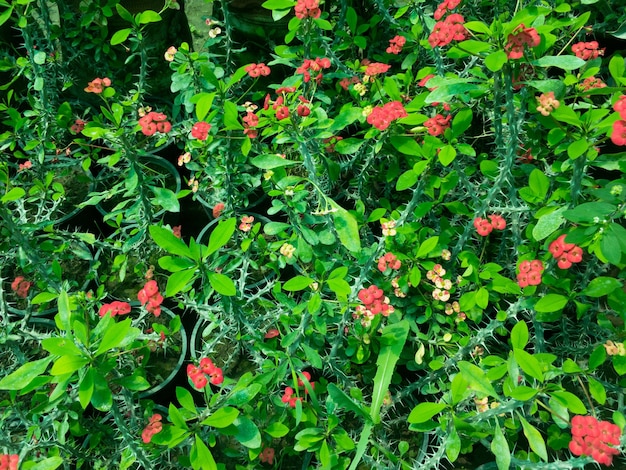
388 261
200 130
590 437
177 231
151 298
115 308
78 126
482 226
267 456
497 222
20 286
618 136
282 113
376 68
251 119
396 44
520 37
303 110
9 461
307 9
444 32
382 116
97 85
587 50
272 333
217 209
620 106
154 426
438 124
154 122
256 70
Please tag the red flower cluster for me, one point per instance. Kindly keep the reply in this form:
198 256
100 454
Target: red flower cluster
437 124
520 37
250 120
448 30
154 426
374 302
303 110
217 209
256 70
618 136
346 82
443 8
565 253
485 226
115 308
587 50
9 461
307 9
396 44
97 85
590 83
200 130
20 286
376 68
592 437
267 456
382 116
316 65
289 398
388 261
78 126
198 374
530 273
151 297
154 122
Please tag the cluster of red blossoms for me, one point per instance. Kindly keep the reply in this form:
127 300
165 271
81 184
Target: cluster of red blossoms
520 37
437 124
289 398
115 308
618 137
307 9
565 253
313 65
267 456
587 50
200 130
485 226
396 44
388 261
151 297
153 427
9 461
250 120
374 302
154 122
592 437
443 8
256 70
217 209
375 68
448 30
198 374
20 286
530 273
78 126
382 116
97 85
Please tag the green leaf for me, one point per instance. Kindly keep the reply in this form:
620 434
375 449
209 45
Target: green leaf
348 146
50 463
523 393
617 67
339 287
597 390
347 228
222 418
577 148
248 433
222 284
565 62
274 228
500 448
496 60
278 4
277 430
446 155
270 161
169 242
588 211
601 286
231 117
178 281
166 198
221 235
406 180
392 342
25 374
406 145
551 303
462 121
425 411
61 346
203 102
120 36
68 364
535 440
297 283
185 398
539 183
453 445
519 335
102 398
116 335
548 224
476 378
148 16
86 388
347 403
427 247
13 195
201 457
528 363
573 403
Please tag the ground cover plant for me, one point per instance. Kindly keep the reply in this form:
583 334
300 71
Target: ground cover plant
385 234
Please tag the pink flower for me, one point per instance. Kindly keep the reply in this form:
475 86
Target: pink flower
9 461
272 333
444 32
200 130
256 70
151 298
20 286
376 68
520 37
97 85
396 44
438 124
282 113
115 308
217 209
618 136
307 9
267 456
153 427
587 50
